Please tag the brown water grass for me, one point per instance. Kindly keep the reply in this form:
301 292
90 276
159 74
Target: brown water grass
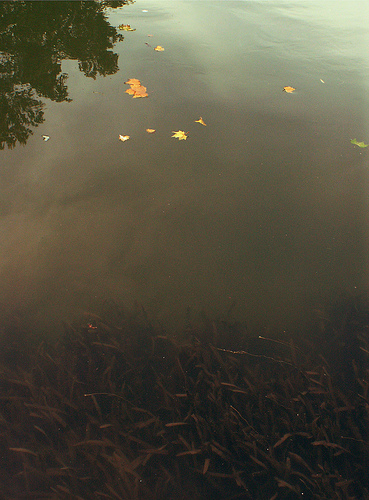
124 412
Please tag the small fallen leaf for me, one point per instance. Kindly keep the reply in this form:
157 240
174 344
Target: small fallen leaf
321 80
133 81
150 130
288 89
180 135
159 48
200 120
123 137
126 27
360 144
45 137
139 92
150 35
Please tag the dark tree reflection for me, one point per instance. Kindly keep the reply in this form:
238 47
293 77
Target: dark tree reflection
35 37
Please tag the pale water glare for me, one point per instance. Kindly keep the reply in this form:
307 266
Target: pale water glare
263 210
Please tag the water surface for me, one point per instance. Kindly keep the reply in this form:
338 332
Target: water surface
263 210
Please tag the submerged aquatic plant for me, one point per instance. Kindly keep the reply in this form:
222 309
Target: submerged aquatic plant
122 411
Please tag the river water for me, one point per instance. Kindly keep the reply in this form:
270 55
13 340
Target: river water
263 210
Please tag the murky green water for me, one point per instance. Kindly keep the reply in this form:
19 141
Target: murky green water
264 208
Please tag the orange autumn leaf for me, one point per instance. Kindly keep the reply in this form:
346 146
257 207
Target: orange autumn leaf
150 130
180 135
200 120
133 81
139 92
159 48
289 89
123 138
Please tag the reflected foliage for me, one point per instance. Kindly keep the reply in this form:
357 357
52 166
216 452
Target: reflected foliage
35 37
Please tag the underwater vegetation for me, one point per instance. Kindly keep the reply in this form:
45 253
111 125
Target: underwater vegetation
124 412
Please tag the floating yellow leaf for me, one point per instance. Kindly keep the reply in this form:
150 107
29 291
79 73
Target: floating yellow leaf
360 144
159 48
150 130
126 27
180 135
123 138
139 91
133 81
200 120
288 89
